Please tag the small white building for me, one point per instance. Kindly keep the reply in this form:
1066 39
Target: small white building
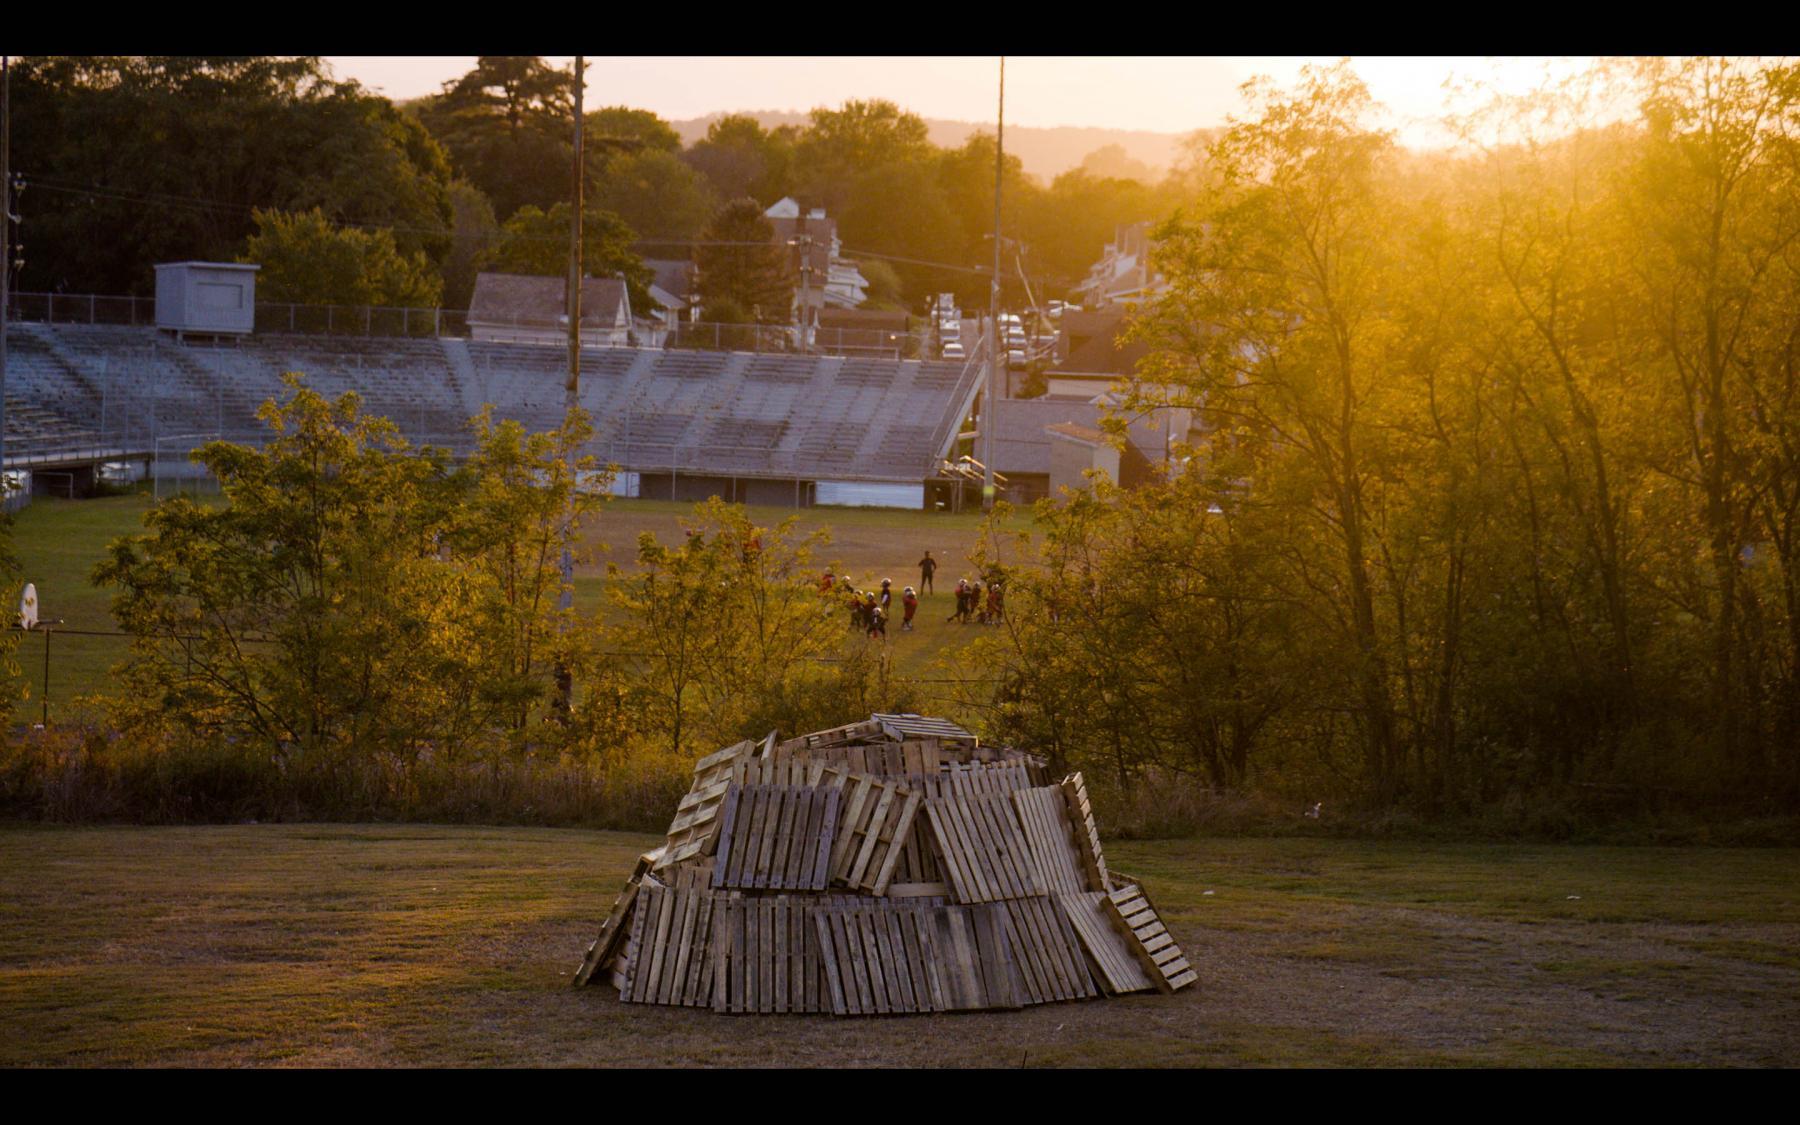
514 309
206 298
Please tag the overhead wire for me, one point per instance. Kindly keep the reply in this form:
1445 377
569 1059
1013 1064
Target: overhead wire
197 203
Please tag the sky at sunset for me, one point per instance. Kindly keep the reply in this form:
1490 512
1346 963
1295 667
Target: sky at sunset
1172 95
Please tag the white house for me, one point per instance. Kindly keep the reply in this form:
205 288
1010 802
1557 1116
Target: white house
512 309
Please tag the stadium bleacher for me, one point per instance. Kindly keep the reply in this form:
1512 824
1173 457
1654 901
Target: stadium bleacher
726 414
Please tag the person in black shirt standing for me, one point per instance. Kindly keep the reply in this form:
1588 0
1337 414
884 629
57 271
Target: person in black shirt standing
927 567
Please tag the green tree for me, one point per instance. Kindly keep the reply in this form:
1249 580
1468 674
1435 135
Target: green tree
536 243
134 161
885 289
897 209
740 158
476 232
732 634
638 126
1715 193
656 194
519 499
308 261
841 145
1284 265
295 616
353 595
739 263
507 127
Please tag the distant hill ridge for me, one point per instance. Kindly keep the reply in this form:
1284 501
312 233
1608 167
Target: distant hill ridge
1044 152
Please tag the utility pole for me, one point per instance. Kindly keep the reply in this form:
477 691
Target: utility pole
6 222
803 242
988 413
565 677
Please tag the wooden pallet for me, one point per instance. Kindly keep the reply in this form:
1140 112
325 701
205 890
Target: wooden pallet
1116 966
872 832
614 929
776 837
766 956
1047 952
776 771
1148 939
959 779
692 832
982 848
918 855
1044 814
836 736
1087 833
672 933
697 873
886 959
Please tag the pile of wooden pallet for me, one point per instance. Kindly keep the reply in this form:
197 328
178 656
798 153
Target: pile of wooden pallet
894 865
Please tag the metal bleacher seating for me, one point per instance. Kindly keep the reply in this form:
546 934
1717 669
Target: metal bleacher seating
720 413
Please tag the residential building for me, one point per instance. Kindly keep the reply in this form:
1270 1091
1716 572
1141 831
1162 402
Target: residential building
1123 275
514 309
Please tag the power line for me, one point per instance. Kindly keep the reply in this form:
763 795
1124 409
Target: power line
196 203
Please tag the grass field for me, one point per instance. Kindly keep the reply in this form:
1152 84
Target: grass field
59 541
335 945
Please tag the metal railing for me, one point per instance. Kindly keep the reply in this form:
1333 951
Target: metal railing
968 381
271 316
387 322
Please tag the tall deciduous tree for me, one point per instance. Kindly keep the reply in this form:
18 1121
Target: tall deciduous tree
306 260
841 145
1277 317
507 127
1715 195
352 595
740 265
133 161
740 158
731 628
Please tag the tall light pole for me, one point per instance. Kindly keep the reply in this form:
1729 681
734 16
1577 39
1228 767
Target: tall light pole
988 413
565 677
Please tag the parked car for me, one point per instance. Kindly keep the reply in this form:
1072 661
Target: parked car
953 350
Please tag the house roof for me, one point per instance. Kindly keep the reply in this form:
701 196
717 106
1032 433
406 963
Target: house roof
1087 435
1094 345
1022 431
674 277
505 298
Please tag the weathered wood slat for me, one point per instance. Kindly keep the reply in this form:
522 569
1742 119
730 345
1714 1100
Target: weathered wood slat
1117 967
1043 813
875 819
674 938
775 837
983 848
1048 952
612 934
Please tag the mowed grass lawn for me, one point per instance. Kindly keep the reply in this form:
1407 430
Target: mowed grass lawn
60 541
334 945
